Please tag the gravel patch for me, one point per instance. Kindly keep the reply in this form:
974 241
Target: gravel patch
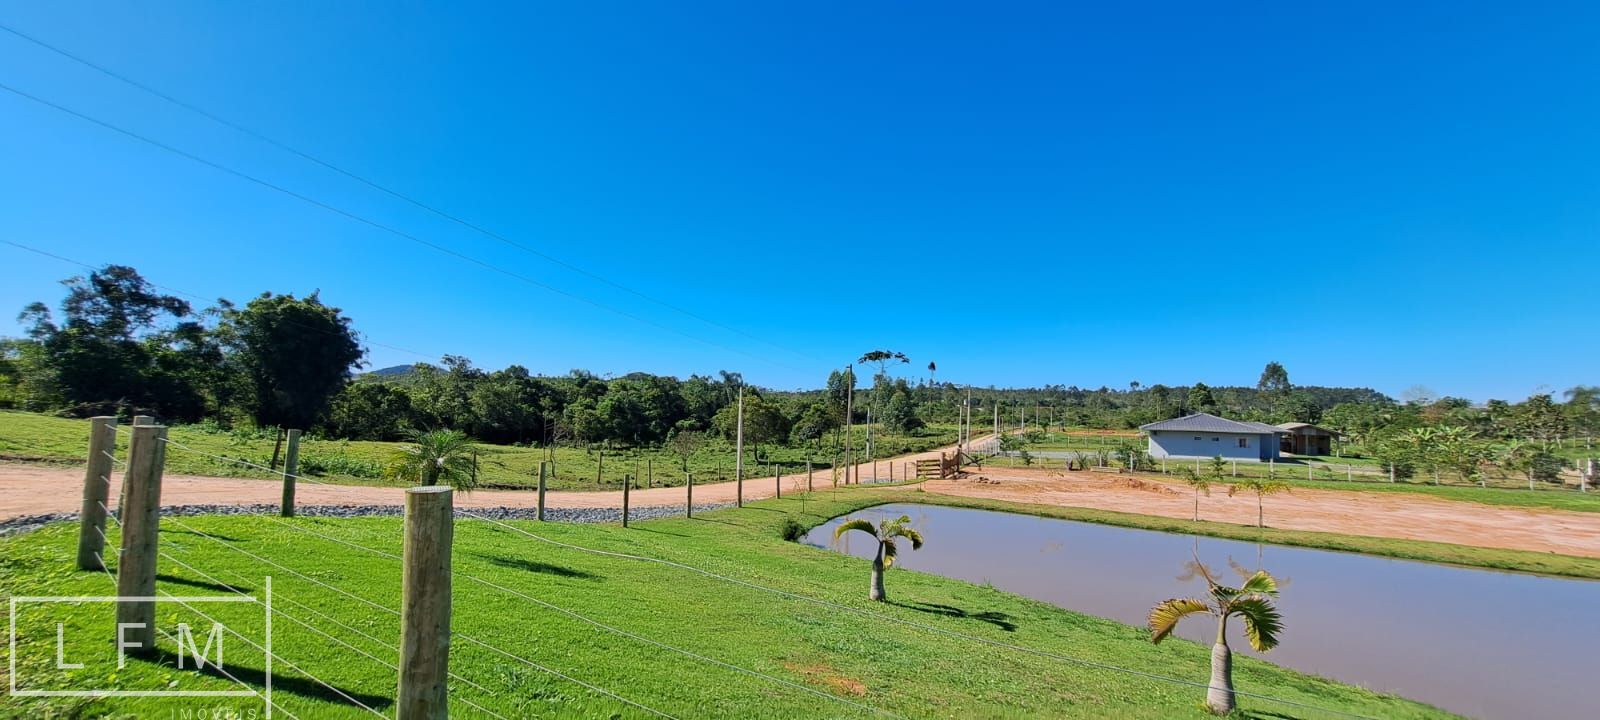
30 523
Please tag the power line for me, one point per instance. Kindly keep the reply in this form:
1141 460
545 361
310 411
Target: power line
383 188
376 224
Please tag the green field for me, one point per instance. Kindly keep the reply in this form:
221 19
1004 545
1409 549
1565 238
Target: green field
29 437
922 655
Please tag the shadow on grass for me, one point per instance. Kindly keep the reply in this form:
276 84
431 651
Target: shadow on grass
644 528
535 566
997 619
256 678
710 520
186 582
219 536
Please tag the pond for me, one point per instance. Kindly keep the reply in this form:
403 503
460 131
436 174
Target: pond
1476 642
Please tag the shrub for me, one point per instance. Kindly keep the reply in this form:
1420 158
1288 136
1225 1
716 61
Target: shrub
339 465
792 530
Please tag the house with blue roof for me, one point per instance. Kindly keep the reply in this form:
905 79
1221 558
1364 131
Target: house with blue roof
1204 435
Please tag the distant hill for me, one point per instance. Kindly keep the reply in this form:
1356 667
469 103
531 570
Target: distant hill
390 372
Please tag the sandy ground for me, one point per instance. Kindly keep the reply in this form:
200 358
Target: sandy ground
34 490
1410 516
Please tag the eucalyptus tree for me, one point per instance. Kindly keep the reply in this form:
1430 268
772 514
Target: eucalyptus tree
885 533
1252 602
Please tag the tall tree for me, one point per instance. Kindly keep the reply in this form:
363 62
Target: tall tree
1201 400
1274 379
294 354
118 341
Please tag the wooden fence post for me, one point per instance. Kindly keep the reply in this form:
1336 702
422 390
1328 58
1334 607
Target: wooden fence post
425 605
688 490
777 474
808 474
291 467
627 482
141 518
600 469
541 490
122 497
474 467
96 491
650 470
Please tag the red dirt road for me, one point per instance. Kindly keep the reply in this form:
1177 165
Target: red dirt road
1409 516
33 490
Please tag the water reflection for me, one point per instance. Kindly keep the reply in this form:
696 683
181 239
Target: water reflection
1477 642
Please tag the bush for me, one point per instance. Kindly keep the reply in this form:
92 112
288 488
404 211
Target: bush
792 530
339 465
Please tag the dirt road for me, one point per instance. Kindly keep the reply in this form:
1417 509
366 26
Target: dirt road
27 490
1410 516
31 490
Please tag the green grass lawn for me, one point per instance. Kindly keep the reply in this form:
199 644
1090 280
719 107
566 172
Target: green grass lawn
30 437
865 662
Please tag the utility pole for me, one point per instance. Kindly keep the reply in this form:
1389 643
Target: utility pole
849 413
870 455
738 450
996 438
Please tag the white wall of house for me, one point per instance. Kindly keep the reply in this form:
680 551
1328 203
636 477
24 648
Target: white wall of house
1191 444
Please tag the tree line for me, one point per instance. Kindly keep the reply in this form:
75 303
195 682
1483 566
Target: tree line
115 344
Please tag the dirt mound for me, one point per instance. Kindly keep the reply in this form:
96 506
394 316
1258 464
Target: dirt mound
1144 485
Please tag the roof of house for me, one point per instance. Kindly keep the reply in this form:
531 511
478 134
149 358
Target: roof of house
1206 422
1304 427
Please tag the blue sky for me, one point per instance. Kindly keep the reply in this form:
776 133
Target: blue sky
1023 193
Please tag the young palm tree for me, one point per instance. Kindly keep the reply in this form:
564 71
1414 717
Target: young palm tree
884 533
1251 601
1200 485
1261 488
435 456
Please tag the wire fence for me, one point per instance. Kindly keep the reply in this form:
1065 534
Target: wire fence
305 617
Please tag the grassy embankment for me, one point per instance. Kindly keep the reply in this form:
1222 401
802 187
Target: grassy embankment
29 437
863 658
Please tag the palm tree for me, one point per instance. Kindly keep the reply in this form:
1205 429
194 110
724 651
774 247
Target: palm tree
1200 485
434 456
1251 601
884 533
1261 488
